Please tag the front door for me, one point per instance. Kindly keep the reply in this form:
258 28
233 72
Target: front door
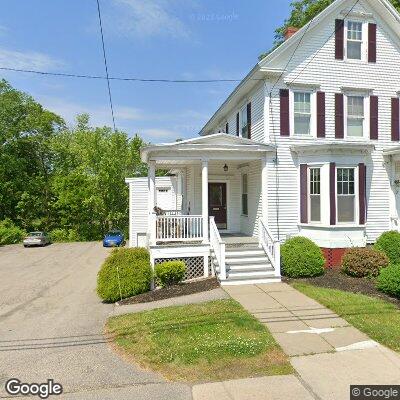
217 203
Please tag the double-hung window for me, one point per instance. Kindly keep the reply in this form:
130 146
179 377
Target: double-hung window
315 195
302 113
346 197
355 116
243 123
245 209
354 40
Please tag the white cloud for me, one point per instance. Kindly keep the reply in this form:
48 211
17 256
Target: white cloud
27 60
151 18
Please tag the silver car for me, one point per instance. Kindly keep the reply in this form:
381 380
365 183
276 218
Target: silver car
36 239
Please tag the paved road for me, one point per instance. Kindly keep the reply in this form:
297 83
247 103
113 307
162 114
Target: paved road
51 324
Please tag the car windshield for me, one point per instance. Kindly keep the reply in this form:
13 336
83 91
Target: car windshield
35 234
113 233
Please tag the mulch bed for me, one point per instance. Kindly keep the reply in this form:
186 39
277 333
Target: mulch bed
334 279
182 289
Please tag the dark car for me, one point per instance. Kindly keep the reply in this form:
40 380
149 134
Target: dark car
36 239
114 238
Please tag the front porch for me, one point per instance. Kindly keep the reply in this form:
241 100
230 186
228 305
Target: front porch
221 203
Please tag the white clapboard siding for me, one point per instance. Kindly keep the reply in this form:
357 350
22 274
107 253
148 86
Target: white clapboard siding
138 198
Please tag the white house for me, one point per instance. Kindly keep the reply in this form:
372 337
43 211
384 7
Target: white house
307 144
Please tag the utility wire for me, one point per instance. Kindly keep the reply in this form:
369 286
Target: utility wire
115 78
105 65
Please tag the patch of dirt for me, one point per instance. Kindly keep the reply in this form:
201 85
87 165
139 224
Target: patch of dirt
334 279
182 289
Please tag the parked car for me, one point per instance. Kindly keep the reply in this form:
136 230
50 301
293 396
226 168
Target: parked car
114 238
36 239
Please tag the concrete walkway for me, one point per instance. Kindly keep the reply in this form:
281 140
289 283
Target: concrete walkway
328 354
202 297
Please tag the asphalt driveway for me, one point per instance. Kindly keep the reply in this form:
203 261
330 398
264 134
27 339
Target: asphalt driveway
51 323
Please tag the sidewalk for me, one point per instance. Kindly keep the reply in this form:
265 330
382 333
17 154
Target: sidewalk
328 354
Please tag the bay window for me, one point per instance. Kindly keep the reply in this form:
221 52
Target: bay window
315 195
346 197
302 113
354 40
355 116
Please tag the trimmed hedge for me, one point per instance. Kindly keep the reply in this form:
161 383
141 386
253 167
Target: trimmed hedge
134 270
362 262
389 280
389 243
301 258
170 273
10 233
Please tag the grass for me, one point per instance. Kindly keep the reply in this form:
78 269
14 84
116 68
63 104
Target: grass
202 342
377 318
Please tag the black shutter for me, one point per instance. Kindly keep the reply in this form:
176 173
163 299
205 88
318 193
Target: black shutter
237 125
362 198
284 110
332 192
227 127
303 193
372 43
339 116
373 113
395 119
320 114
339 39
249 120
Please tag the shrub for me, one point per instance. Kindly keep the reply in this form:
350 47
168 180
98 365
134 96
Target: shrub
301 257
10 233
170 273
361 262
64 235
389 280
389 243
125 270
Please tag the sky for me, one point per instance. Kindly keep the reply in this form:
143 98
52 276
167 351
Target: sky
162 39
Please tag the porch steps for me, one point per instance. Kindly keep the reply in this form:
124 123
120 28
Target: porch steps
246 264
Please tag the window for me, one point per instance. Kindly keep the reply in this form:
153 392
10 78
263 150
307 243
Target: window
315 195
302 113
355 116
345 195
243 121
245 210
354 40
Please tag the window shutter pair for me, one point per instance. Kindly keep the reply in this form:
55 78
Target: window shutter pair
340 41
248 111
362 199
285 113
339 116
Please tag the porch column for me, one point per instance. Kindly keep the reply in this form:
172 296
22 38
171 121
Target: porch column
152 201
204 202
264 189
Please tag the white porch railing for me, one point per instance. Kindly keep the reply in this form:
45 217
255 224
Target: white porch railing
182 228
219 248
271 246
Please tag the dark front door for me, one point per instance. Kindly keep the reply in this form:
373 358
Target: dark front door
217 203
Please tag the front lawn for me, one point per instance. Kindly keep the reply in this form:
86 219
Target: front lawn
211 341
377 318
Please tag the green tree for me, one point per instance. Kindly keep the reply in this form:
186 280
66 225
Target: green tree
302 12
26 130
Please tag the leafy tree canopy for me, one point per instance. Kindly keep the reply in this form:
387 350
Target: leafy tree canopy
302 12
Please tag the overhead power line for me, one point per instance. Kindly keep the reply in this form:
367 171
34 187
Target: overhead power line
117 78
105 64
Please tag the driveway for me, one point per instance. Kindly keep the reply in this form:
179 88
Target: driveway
51 324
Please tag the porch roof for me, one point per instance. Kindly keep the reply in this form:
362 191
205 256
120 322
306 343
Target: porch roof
393 151
216 146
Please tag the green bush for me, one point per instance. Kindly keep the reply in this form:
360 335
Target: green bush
301 258
10 233
389 243
361 262
132 266
170 273
64 235
389 280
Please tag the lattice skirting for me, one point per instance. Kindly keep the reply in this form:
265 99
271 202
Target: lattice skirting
194 266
